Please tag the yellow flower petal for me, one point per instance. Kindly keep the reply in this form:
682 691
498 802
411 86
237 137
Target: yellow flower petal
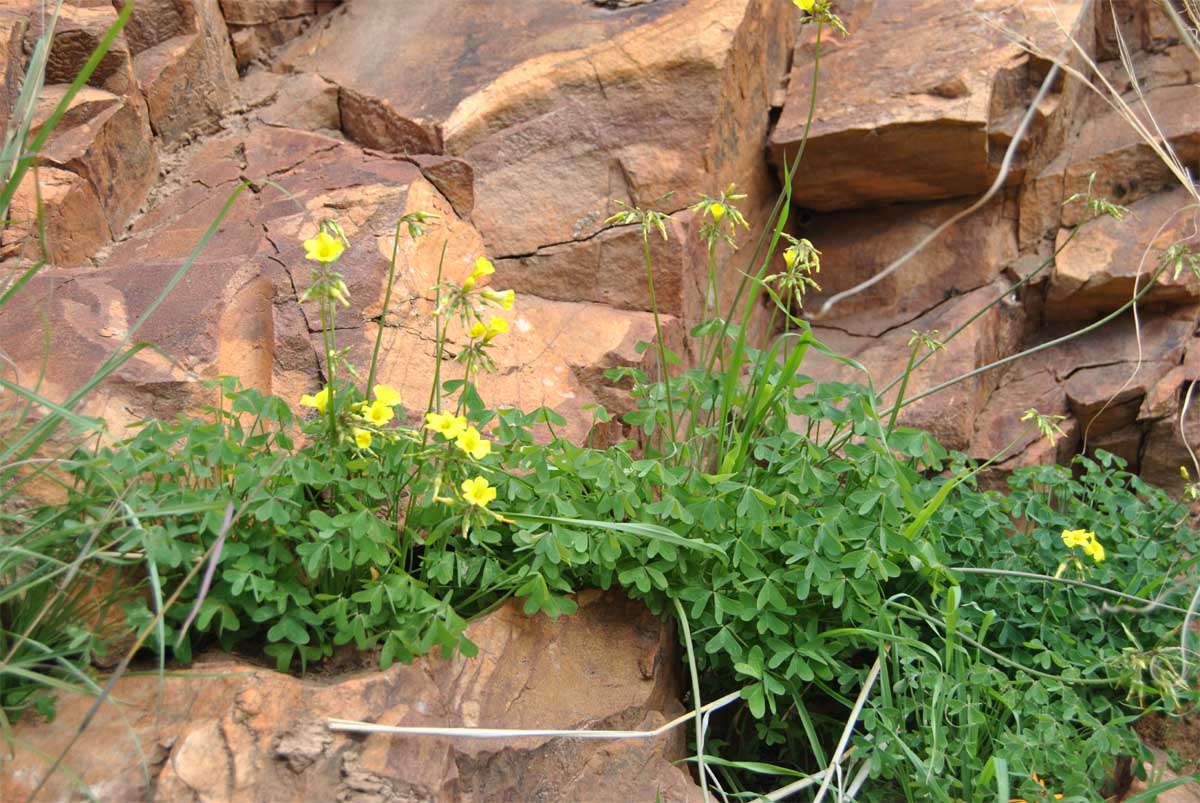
323 248
805 5
445 424
320 401
483 267
362 439
496 326
379 413
1074 538
501 299
386 394
471 442
478 491
478 329
717 211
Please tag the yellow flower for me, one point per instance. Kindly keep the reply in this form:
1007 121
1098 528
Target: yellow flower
478 492
483 267
319 401
478 329
445 424
805 5
789 258
378 413
717 211
471 442
502 299
1183 472
386 394
362 438
1074 538
323 248
1094 550
496 326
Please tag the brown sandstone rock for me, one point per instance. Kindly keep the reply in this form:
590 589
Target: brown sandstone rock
857 245
217 319
232 731
1106 398
950 415
1096 272
1001 434
905 107
77 33
106 140
235 310
257 27
74 219
304 101
184 65
587 106
1126 168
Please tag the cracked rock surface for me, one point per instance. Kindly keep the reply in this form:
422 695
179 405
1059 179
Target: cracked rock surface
228 731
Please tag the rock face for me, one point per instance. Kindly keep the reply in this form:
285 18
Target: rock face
919 104
524 152
902 122
227 730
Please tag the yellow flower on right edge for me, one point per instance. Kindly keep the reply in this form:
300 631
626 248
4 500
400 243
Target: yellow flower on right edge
1087 541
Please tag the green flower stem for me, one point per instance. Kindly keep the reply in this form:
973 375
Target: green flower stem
781 203
387 300
1048 345
662 346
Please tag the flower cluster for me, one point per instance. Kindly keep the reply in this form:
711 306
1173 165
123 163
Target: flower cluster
470 442
720 218
454 428
368 417
1085 539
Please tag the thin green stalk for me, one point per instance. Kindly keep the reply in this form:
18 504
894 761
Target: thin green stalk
439 334
663 368
697 702
1047 345
387 300
997 300
781 209
908 370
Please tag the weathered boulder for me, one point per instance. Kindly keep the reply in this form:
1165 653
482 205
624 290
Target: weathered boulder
257 27
951 413
236 311
184 64
232 731
589 105
71 213
1096 272
304 101
1113 386
77 33
106 140
218 319
909 109
1000 434
1125 168
855 246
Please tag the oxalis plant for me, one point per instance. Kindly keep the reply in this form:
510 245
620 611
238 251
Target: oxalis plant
893 631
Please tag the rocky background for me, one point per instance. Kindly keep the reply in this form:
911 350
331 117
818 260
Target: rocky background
523 122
